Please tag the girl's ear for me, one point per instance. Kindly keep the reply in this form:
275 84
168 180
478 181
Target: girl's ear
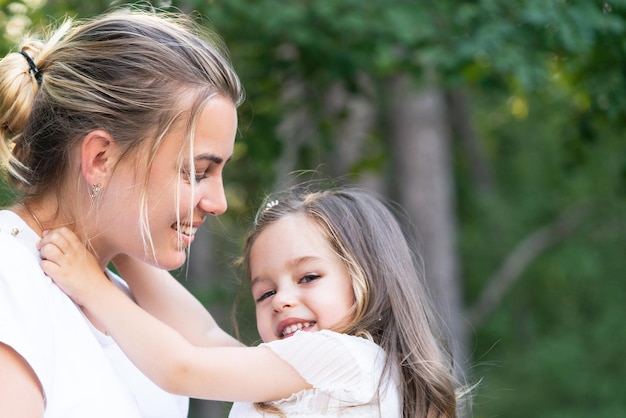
98 156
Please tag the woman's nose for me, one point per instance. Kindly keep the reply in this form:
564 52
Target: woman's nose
212 197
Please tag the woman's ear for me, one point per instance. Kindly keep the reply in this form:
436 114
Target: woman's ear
98 156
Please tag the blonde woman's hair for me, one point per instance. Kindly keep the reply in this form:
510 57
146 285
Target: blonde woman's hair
391 305
131 73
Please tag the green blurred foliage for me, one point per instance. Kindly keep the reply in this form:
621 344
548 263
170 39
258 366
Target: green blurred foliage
546 82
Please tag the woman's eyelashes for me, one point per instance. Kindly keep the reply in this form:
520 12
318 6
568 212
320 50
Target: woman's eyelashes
197 177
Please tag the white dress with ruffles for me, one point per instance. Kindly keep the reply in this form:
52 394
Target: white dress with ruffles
345 372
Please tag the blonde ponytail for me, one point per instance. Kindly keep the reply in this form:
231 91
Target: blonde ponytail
18 89
21 76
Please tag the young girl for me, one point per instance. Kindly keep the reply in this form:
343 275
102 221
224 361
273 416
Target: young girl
346 327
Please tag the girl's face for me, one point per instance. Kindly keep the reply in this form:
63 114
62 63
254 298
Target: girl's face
298 282
119 209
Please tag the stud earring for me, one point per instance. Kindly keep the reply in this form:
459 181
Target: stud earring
95 189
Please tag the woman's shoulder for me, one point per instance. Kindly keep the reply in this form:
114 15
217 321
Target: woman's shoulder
18 247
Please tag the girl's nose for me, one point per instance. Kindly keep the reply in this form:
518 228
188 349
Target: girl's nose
284 299
212 197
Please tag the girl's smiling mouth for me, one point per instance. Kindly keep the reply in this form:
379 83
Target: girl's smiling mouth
287 330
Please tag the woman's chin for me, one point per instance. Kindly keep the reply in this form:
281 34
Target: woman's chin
171 261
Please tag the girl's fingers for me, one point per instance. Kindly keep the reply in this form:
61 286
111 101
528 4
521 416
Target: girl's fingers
63 239
50 251
51 269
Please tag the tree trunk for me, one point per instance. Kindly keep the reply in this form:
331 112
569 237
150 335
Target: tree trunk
460 121
421 154
198 275
352 118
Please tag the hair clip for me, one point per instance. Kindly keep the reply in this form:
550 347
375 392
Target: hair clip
262 210
271 204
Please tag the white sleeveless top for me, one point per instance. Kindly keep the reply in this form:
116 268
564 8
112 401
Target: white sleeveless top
83 372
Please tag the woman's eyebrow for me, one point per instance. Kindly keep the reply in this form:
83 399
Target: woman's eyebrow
211 157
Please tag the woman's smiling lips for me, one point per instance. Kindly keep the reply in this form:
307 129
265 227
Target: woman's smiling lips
288 327
186 232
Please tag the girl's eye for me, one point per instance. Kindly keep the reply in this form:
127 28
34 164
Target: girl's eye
266 295
307 278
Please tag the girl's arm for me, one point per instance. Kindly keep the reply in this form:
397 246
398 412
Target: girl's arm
159 293
253 374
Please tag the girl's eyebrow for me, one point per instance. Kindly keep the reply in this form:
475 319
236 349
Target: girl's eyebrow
294 263
257 280
301 260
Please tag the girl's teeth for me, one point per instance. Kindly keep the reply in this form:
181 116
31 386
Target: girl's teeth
295 327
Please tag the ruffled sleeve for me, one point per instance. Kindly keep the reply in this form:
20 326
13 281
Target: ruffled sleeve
346 368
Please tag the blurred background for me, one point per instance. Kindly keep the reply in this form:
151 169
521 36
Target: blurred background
497 125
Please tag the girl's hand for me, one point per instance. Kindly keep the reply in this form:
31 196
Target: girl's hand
72 267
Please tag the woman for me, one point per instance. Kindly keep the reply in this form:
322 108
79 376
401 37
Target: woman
118 128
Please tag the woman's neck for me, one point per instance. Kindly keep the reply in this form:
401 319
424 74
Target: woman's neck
37 215
45 213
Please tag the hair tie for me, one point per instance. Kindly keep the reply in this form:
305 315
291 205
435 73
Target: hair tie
33 67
